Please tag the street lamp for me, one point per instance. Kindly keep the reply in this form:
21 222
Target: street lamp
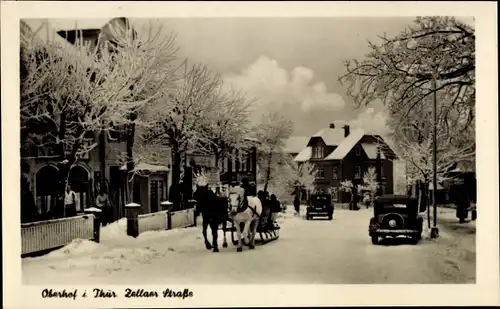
434 229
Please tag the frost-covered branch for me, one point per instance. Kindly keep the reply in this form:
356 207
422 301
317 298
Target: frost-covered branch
69 92
418 155
272 132
399 70
180 118
370 182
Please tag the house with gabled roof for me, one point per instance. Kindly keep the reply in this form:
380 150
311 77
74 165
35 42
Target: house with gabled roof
102 166
341 154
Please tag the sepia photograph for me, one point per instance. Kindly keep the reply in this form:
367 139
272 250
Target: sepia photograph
246 150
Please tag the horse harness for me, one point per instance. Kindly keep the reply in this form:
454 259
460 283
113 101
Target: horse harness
243 207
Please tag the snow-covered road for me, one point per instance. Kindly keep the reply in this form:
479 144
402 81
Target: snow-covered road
319 251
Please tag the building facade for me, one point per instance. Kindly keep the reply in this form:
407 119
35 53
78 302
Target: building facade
340 155
100 167
238 166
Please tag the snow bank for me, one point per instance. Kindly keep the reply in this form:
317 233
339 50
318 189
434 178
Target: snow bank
76 247
115 232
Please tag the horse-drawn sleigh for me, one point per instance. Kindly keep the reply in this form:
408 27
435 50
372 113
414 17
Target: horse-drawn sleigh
248 219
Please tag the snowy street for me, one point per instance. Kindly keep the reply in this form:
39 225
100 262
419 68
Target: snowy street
318 251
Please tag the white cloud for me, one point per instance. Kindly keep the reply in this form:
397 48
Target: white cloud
276 89
371 122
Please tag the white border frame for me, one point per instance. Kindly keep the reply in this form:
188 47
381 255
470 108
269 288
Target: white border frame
484 292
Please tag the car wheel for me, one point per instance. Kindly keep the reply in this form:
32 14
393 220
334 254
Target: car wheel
307 217
374 239
330 217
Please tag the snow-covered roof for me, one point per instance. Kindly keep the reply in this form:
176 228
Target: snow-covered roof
371 151
304 155
346 145
151 167
42 29
295 144
331 137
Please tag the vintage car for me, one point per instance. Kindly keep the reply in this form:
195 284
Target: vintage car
395 215
320 205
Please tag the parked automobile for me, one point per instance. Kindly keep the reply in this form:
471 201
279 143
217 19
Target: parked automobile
320 205
395 215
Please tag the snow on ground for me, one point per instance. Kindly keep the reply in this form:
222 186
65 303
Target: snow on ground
318 251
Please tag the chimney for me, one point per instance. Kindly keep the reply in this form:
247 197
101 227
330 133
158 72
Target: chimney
332 125
346 131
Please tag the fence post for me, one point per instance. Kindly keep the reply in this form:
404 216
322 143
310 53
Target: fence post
132 212
167 205
192 204
97 221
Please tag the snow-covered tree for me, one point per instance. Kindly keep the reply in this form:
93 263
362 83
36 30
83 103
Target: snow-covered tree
418 155
370 182
72 93
272 132
400 180
346 186
291 176
228 125
400 71
180 118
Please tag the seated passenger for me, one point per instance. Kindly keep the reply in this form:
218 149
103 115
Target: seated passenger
275 209
264 217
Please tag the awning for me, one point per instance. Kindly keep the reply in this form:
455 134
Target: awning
151 168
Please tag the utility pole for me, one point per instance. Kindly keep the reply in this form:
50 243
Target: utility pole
434 229
379 170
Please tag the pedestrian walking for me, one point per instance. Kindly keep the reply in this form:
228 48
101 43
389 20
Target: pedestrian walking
296 204
102 202
69 202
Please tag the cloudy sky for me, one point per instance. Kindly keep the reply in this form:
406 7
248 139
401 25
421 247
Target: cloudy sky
290 65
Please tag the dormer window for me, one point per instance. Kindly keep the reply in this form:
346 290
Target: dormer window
358 150
318 152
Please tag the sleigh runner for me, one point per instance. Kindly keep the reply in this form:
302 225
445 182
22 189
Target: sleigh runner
266 234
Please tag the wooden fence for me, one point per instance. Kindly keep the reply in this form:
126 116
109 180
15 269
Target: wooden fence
43 236
181 218
153 221
50 234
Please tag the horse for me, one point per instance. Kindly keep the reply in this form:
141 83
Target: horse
214 212
247 214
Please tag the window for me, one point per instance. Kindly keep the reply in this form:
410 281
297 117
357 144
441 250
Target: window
358 150
250 162
243 163
320 173
357 172
318 151
222 164
335 173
